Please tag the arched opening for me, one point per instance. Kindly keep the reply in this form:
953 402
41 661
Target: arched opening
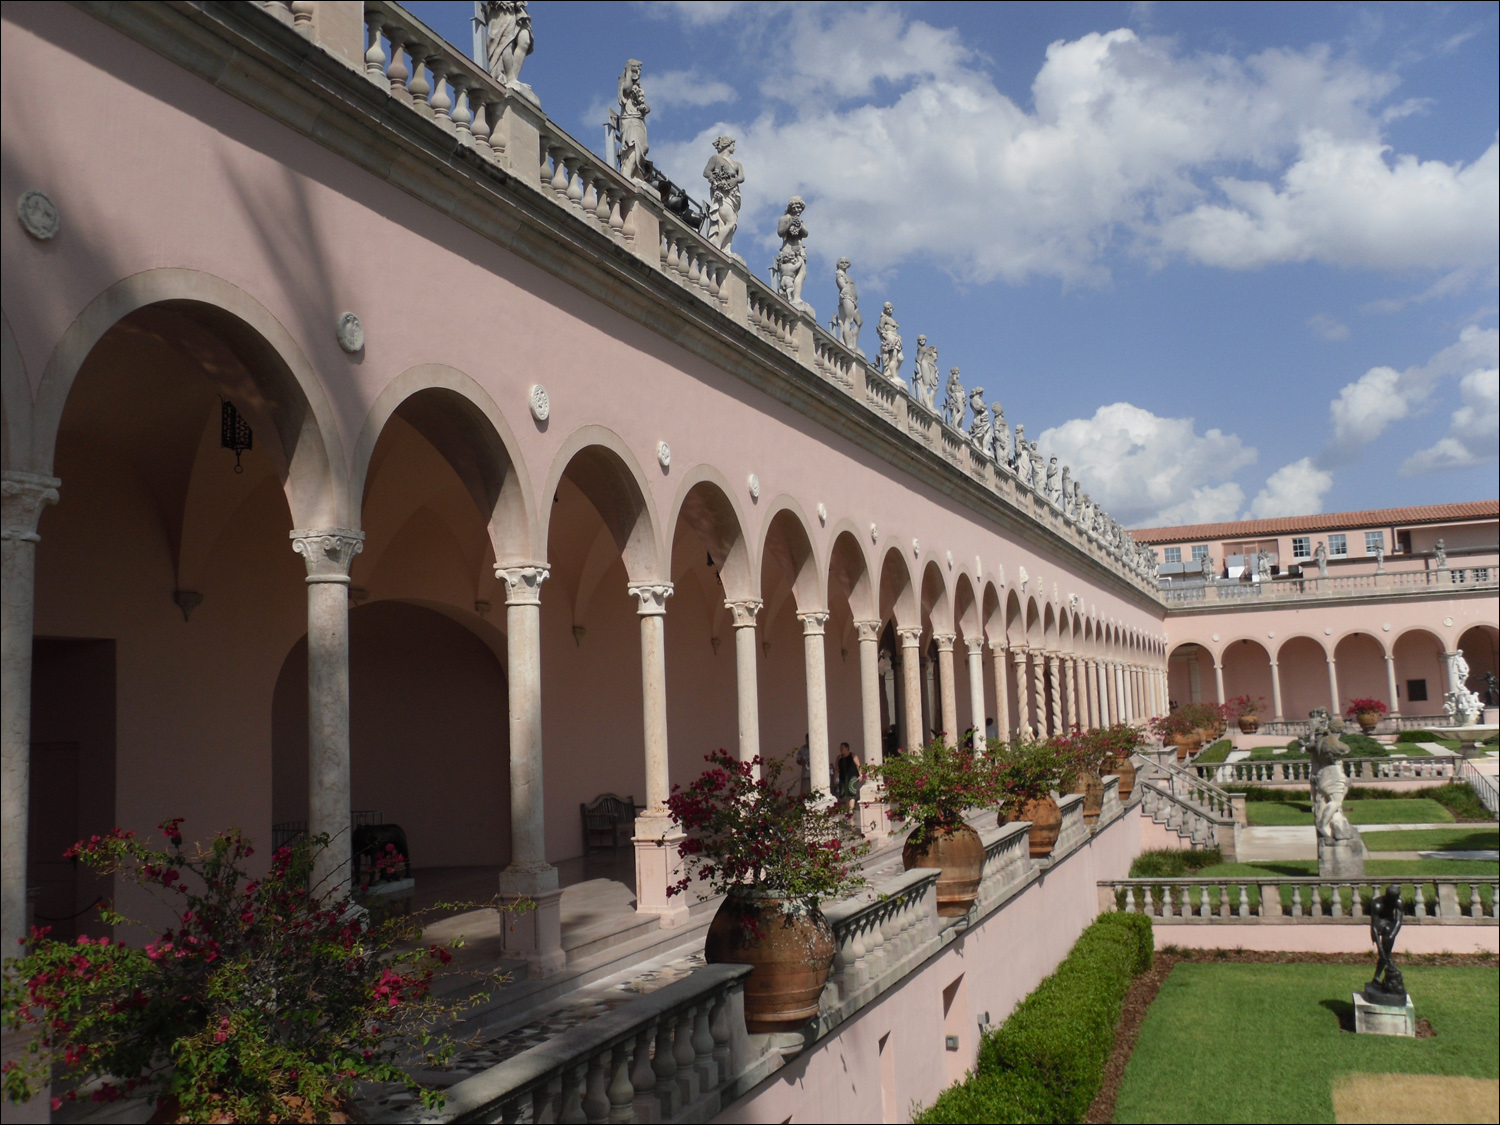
1359 661
1247 671
937 617
1190 675
901 676
1481 648
1421 678
1302 665
789 586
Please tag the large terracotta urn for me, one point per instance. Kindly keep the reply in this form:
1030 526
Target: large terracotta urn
1046 823
1367 720
1188 745
1124 769
1091 785
791 946
959 854
1249 724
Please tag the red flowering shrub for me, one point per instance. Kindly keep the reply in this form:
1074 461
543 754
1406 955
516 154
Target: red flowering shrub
1242 705
1028 771
747 832
931 788
263 1002
1358 705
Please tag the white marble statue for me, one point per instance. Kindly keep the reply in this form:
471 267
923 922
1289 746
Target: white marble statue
629 123
1067 491
1053 485
1001 440
1038 469
891 356
508 40
1327 751
1321 555
1023 456
724 175
1380 557
848 322
1263 566
924 380
954 406
1207 566
1463 706
979 427
1441 552
790 267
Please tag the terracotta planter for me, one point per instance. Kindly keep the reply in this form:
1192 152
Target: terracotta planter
791 952
1368 720
960 856
1249 724
1091 785
1046 823
1188 745
1124 769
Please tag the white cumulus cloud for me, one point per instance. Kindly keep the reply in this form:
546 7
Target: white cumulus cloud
1149 470
1292 490
1473 432
1330 328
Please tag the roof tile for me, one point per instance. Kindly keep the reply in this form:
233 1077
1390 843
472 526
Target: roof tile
1328 521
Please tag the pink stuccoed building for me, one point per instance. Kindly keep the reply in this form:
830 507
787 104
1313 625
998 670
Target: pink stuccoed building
374 450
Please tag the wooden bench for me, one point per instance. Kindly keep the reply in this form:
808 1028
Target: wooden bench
608 821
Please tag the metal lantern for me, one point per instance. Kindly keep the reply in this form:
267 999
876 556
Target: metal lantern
235 433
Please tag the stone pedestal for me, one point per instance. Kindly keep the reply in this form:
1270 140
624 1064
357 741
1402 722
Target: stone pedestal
535 935
657 866
1384 1019
1341 859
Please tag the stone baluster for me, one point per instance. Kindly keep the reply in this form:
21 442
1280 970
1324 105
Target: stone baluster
560 174
397 73
482 111
595 1101
1205 908
1296 900
1476 907
682 1051
642 1076
664 1064
463 111
620 1092
718 1026
374 54
570 1105
1244 910
703 1047
589 178
1223 900
1129 899
1419 908
1336 907
418 85
602 208
1316 894
574 194
546 1099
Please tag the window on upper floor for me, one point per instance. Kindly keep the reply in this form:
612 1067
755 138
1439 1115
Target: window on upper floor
1374 541
1302 546
1200 552
1338 544
1174 554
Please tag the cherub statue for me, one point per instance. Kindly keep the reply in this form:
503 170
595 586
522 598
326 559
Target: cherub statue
724 175
790 267
924 382
890 344
848 322
954 407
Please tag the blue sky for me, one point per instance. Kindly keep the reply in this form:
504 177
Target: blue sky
1225 259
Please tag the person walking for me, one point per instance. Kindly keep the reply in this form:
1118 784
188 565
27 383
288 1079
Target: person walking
848 778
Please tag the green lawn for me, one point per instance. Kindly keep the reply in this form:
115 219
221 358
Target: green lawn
1433 839
1417 810
1228 1042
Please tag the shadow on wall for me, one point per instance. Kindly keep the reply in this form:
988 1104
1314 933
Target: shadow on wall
428 734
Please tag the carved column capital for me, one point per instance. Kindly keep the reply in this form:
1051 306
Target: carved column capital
945 641
813 621
998 649
911 636
652 597
23 495
1018 654
868 630
744 612
328 552
523 584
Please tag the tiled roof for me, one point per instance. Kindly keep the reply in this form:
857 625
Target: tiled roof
1328 521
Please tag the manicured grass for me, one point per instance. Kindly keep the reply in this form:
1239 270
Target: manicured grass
1169 863
1411 810
1374 868
1433 839
1455 796
1237 1042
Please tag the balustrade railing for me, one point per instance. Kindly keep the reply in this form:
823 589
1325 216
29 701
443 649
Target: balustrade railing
878 932
1483 784
663 1057
693 261
1196 788
882 395
1353 585
1300 769
1464 899
834 362
771 317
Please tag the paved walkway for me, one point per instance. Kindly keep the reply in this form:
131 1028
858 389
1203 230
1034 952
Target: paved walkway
1300 841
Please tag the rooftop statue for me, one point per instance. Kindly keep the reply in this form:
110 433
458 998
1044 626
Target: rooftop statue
1001 445
954 407
1069 495
924 381
1038 470
1321 555
508 40
848 322
1439 550
629 123
790 267
891 356
1054 482
1023 456
724 175
979 428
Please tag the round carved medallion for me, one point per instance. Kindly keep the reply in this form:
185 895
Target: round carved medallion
350 333
541 405
38 215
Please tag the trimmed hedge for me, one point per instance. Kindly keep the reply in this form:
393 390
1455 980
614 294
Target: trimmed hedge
1045 1063
1173 863
1418 736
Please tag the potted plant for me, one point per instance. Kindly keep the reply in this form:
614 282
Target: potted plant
1088 756
1245 711
1119 742
1025 775
1179 728
1366 712
262 1001
930 791
775 856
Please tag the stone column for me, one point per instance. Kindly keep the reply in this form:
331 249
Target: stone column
1276 692
911 685
872 820
976 690
22 497
328 553
998 657
1219 679
534 935
1091 690
929 697
946 687
1070 692
1390 685
813 622
1112 680
656 864
1333 688
743 614
1023 693
1054 679
1039 690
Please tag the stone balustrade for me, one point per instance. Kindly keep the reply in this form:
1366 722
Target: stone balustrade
668 1056
488 124
1269 771
1391 583
878 933
1453 900
1074 830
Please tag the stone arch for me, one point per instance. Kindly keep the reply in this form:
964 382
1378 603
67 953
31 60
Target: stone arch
849 574
270 380
705 503
788 541
898 598
1420 669
937 606
600 465
1480 645
1359 658
463 423
15 402
1247 670
1302 667
966 609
